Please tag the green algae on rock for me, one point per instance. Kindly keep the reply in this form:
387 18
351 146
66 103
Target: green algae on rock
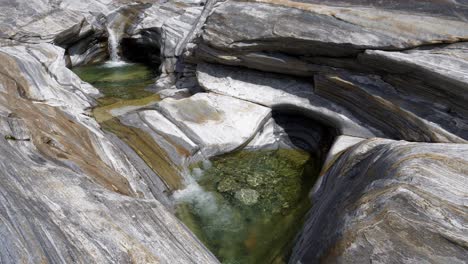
250 204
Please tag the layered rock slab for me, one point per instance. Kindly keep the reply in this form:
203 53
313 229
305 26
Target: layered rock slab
438 73
282 92
399 114
389 202
336 99
314 29
217 123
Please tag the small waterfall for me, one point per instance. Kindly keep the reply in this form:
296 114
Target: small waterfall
113 43
115 31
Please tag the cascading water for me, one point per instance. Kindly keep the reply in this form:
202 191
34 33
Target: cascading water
113 43
115 31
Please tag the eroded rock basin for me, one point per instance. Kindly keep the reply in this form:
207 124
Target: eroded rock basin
246 206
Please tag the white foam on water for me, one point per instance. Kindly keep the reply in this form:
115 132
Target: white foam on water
113 64
204 202
197 173
207 164
215 212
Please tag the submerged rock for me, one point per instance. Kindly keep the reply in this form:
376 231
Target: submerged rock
228 184
247 196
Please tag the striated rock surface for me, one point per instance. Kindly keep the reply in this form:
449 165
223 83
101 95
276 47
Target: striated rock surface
302 29
335 99
438 74
278 91
389 202
217 123
401 116
68 194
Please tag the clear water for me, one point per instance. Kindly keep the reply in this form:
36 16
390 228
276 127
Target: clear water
118 81
247 207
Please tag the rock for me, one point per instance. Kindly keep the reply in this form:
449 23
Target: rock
267 25
247 196
389 202
265 138
217 123
341 144
255 36
335 100
92 49
401 116
264 61
280 92
255 179
439 74
169 27
228 184
76 195
355 69
166 134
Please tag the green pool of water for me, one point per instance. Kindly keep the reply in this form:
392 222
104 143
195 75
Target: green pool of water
123 82
247 207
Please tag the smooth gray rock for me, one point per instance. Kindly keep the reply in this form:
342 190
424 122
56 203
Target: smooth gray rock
281 92
218 124
389 202
438 73
314 29
401 116
247 196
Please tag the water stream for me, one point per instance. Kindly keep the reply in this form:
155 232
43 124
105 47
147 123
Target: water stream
113 44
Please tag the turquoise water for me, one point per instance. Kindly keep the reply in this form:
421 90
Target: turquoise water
247 207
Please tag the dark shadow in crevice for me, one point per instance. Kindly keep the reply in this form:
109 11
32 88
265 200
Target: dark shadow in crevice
298 130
